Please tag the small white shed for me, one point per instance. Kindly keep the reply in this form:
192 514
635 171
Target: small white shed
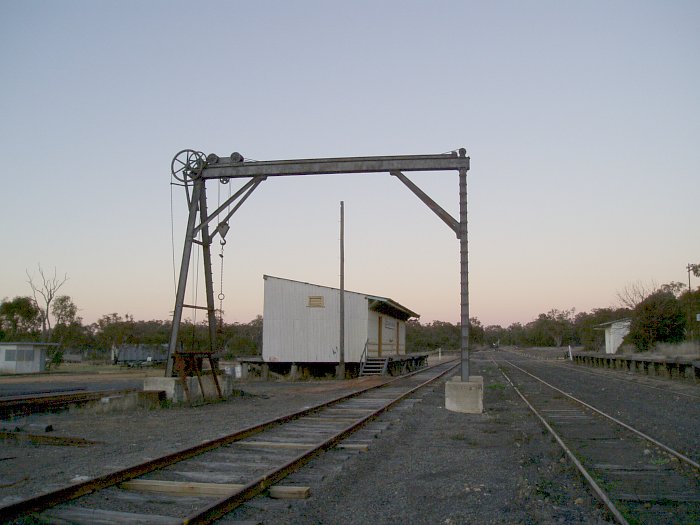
301 324
24 357
615 331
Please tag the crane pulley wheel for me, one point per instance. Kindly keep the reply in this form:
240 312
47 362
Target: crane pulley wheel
187 165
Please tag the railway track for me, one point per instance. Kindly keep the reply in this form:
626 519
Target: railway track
202 483
637 477
679 388
33 403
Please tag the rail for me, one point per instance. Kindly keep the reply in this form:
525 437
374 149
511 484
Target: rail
361 416
613 471
16 405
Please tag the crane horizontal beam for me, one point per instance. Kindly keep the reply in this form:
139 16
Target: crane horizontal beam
220 168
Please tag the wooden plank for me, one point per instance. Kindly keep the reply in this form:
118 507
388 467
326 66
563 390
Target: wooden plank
244 470
40 439
244 464
83 516
154 498
185 488
625 468
210 489
224 521
353 446
289 492
226 478
294 433
333 410
677 498
243 455
330 419
276 444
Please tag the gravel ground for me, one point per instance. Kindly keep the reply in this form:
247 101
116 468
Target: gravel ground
432 466
428 465
126 437
668 410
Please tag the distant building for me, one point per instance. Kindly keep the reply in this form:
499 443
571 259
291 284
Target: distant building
23 358
137 354
615 331
301 324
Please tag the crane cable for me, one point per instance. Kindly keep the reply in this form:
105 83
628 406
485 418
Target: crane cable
222 242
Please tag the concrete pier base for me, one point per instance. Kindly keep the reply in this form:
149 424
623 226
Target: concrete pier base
466 397
172 386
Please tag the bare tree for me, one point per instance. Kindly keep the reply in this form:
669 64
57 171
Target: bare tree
46 290
634 293
674 287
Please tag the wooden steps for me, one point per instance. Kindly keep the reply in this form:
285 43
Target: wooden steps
374 366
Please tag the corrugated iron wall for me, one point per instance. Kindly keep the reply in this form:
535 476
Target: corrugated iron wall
294 331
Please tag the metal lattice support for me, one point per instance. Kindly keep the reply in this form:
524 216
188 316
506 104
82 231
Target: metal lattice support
193 168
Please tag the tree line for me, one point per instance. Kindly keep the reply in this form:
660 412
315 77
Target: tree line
21 319
657 314
666 313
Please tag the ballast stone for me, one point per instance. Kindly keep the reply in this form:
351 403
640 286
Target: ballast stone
466 397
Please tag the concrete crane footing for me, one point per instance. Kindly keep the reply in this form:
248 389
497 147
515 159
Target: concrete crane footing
466 397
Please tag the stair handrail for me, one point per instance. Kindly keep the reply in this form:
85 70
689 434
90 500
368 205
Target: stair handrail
363 358
386 366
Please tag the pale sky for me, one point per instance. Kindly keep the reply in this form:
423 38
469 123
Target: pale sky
582 121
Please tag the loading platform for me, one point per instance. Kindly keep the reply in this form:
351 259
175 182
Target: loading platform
254 367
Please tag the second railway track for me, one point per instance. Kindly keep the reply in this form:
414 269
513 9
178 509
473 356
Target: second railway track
639 478
203 483
31 403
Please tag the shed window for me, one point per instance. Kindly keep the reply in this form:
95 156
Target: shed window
316 301
25 355
10 355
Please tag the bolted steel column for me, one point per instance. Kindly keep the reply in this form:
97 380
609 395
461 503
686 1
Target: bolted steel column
184 270
464 273
208 280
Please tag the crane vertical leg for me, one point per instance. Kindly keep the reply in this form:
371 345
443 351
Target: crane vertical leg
464 274
184 270
208 280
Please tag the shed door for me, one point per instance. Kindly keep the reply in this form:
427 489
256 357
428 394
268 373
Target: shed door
398 338
380 319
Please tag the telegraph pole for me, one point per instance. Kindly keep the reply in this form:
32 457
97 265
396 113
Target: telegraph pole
340 374
689 268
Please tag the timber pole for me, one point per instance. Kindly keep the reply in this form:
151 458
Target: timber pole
341 348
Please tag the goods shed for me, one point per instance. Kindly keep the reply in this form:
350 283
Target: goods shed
301 324
615 332
24 357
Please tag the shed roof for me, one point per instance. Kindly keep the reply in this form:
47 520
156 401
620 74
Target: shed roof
26 343
377 303
610 323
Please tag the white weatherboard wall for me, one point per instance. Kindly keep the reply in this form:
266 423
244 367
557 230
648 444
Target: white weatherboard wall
22 358
390 330
293 331
614 334
301 324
